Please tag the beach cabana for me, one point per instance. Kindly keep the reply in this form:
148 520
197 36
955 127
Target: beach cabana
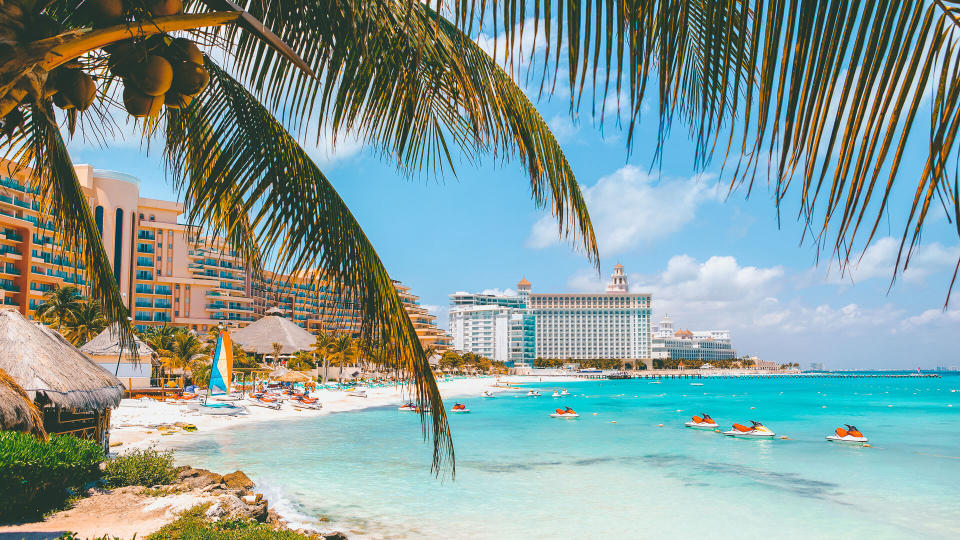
294 377
259 337
134 371
17 412
72 392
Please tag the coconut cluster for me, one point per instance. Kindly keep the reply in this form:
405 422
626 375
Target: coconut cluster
158 71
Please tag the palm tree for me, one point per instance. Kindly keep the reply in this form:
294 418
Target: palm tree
394 73
161 338
185 353
60 305
277 349
322 347
87 322
342 350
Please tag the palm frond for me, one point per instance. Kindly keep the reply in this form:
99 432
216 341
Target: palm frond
227 151
410 84
40 148
823 97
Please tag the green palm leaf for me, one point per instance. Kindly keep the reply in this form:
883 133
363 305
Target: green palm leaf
228 152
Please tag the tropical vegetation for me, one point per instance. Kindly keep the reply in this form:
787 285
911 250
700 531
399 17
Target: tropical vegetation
822 96
38 475
140 467
77 317
194 524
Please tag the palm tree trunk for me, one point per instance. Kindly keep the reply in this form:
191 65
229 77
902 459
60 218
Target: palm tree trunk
325 369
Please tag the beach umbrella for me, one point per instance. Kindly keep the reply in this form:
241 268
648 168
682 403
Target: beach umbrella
294 377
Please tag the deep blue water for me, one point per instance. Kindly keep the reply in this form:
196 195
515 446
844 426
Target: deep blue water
522 474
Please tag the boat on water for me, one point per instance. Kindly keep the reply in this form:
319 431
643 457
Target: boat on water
533 393
221 373
408 406
460 408
487 393
555 394
755 431
849 435
702 422
654 382
696 384
563 392
566 412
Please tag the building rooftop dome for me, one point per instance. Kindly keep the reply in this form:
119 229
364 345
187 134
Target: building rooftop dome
524 283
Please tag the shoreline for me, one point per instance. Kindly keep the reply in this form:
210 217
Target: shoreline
152 423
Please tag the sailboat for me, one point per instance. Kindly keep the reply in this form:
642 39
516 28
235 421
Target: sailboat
221 373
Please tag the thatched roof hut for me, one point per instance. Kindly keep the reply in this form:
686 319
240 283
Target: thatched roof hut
259 337
17 412
107 343
294 377
134 371
52 370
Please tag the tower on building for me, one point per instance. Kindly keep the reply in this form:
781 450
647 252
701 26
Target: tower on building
523 287
618 281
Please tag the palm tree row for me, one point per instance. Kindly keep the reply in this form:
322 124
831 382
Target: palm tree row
77 317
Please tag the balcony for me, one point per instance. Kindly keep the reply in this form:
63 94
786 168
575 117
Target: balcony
164 289
145 289
145 235
7 250
145 248
143 302
145 261
163 304
144 275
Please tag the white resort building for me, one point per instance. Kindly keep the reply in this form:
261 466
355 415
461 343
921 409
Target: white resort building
519 328
705 345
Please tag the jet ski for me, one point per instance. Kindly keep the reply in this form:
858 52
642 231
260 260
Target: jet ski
487 393
409 406
756 431
533 393
563 392
555 394
851 435
565 413
704 422
460 408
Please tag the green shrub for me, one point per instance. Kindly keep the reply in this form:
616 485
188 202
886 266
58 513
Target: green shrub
147 467
194 525
36 475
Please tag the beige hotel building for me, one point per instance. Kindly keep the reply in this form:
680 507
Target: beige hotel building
167 273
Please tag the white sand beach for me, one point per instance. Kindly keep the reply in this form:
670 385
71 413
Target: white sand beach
136 423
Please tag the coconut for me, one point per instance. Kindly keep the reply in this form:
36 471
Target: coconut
78 88
153 76
176 100
184 49
139 104
163 8
189 78
104 11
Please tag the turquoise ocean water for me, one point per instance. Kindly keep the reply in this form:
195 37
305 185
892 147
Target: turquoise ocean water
522 474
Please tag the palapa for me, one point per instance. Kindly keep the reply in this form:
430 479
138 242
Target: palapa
259 337
17 412
107 343
294 377
49 367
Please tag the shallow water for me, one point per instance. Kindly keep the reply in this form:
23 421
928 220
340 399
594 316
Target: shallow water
522 474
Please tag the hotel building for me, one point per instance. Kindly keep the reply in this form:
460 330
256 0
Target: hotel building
167 273
613 324
706 345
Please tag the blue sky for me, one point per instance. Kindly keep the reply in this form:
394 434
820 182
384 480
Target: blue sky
711 259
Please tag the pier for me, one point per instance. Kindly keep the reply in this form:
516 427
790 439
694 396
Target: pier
772 375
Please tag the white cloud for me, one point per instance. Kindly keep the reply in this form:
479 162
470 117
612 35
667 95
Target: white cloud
932 318
563 127
631 207
331 150
880 258
500 292
522 47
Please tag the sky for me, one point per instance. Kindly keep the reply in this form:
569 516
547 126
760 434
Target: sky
711 258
